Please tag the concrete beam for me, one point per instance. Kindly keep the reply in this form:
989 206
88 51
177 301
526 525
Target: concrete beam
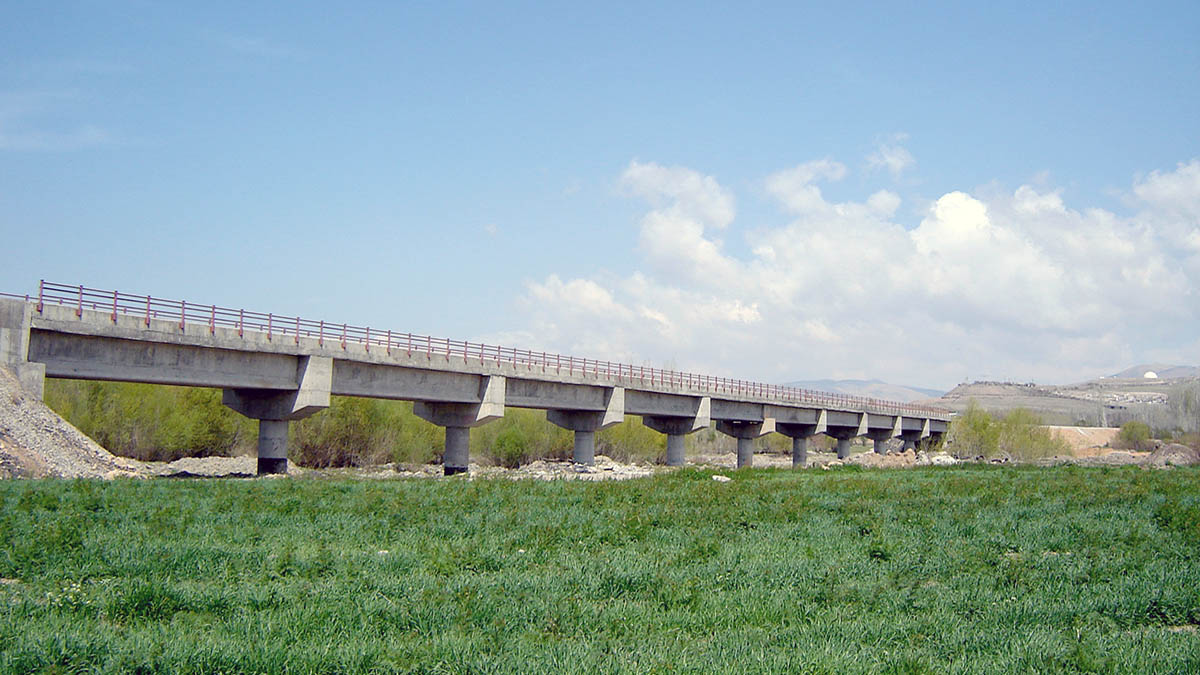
312 394
660 404
490 407
87 357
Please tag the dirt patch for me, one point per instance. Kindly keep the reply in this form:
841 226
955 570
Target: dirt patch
1086 441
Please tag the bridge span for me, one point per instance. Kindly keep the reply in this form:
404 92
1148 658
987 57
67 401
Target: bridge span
278 368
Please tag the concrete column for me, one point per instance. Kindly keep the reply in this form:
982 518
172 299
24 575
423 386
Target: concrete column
272 446
585 423
745 452
675 449
585 448
273 409
909 444
800 432
458 418
799 451
880 446
843 448
457 457
677 427
745 432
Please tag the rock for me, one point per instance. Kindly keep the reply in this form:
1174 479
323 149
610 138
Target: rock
722 479
1173 454
942 459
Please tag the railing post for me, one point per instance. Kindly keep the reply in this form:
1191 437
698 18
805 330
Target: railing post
147 311
41 287
343 336
389 343
321 335
79 307
114 315
367 342
182 314
241 321
297 330
270 325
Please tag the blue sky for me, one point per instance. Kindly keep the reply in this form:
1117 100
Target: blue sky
617 180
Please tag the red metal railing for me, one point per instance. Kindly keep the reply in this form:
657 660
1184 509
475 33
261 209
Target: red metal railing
293 328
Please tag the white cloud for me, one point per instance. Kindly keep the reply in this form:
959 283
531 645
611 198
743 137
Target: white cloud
892 156
1016 285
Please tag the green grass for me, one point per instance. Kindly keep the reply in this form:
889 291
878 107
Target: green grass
973 569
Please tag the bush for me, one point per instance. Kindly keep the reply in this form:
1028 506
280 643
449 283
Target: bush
152 422
1134 436
631 440
362 432
1019 434
522 436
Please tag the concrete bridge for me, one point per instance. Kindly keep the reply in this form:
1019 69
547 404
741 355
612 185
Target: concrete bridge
276 369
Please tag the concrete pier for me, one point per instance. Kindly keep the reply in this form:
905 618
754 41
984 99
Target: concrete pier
843 448
745 432
799 451
585 423
676 449
272 446
676 427
457 455
880 446
458 418
273 408
800 432
585 448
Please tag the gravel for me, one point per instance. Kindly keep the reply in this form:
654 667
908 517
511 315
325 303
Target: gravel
35 442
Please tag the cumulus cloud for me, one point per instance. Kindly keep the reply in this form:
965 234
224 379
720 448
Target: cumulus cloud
1015 284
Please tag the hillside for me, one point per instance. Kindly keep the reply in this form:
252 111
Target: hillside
1110 401
869 388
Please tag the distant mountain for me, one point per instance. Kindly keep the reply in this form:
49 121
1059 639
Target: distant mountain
1163 371
870 389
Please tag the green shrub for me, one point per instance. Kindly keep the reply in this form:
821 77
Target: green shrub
522 436
1019 434
1134 436
974 432
632 441
361 432
152 422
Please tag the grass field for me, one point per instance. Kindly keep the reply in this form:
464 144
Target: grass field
973 569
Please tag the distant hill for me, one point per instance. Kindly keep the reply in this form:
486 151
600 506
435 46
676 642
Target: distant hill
869 388
1163 371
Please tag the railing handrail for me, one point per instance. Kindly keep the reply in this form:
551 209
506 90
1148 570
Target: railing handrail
294 327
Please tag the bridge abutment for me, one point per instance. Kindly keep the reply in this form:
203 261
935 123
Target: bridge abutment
16 321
